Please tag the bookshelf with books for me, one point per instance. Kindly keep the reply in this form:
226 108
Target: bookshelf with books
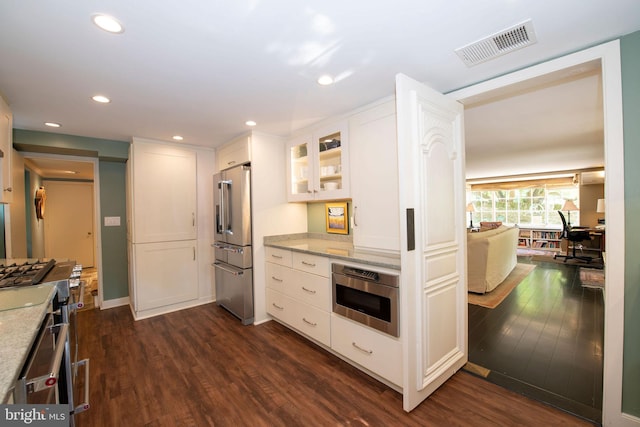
540 238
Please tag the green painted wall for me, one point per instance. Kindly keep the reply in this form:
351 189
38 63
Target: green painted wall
114 239
630 47
112 156
316 219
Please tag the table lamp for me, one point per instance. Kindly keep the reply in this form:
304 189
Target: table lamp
471 210
569 206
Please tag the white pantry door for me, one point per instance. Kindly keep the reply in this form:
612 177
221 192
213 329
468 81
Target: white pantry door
433 291
68 221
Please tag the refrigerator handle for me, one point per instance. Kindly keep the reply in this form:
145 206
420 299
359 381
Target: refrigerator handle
218 212
222 216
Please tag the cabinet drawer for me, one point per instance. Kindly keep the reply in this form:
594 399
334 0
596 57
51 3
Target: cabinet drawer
277 276
313 322
374 351
278 256
280 306
309 288
311 264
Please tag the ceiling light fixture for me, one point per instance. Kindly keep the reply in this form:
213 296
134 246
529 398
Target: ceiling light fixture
250 123
325 80
52 124
101 99
177 137
108 23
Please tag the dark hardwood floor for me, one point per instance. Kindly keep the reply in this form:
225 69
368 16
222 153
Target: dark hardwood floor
545 339
201 367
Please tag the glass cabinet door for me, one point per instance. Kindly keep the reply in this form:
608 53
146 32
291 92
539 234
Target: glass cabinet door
300 176
317 165
330 161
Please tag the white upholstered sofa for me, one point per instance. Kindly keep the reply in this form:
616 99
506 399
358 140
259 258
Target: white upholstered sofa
491 256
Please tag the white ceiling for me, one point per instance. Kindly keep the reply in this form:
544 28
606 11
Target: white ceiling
201 68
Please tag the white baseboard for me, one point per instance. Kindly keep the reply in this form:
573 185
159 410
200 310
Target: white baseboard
145 314
113 303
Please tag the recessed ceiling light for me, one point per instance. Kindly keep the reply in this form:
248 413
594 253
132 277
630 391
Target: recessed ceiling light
70 172
52 124
101 99
177 137
250 123
108 23
325 80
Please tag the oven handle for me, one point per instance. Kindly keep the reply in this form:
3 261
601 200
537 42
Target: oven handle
84 405
50 379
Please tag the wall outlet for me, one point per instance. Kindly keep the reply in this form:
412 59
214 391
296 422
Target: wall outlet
111 221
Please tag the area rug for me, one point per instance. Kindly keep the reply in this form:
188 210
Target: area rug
495 297
592 278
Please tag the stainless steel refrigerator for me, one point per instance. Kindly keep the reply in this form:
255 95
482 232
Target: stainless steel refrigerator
233 264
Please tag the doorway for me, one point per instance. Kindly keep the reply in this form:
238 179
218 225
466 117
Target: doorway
69 225
609 56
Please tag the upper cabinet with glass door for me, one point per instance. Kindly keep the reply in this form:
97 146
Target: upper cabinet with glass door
317 165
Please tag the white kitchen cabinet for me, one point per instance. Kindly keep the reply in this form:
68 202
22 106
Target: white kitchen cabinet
297 297
165 274
234 153
6 145
317 164
375 220
163 187
376 352
162 211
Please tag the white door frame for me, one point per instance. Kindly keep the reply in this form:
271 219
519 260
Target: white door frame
609 55
96 205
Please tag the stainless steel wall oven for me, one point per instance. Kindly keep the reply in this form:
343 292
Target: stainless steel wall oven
368 297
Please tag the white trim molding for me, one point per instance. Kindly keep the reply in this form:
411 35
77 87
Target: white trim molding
609 56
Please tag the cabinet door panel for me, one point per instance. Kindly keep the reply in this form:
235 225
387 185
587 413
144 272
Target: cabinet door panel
164 193
6 145
165 274
374 172
318 164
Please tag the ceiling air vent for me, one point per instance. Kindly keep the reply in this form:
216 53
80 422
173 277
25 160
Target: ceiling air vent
498 44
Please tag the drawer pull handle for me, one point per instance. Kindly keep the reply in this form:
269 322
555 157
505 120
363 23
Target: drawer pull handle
309 323
277 306
309 264
362 349
276 279
311 291
276 256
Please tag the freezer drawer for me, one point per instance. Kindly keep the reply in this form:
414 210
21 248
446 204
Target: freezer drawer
234 291
238 256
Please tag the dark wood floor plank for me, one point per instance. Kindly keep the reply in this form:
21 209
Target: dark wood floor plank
201 367
548 334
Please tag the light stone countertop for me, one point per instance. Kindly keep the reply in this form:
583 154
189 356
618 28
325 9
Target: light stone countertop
18 330
336 247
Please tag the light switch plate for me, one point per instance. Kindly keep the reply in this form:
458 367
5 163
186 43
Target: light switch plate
111 221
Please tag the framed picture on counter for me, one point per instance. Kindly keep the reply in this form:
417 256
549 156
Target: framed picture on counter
337 218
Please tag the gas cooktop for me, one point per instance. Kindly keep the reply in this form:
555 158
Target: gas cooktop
25 274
